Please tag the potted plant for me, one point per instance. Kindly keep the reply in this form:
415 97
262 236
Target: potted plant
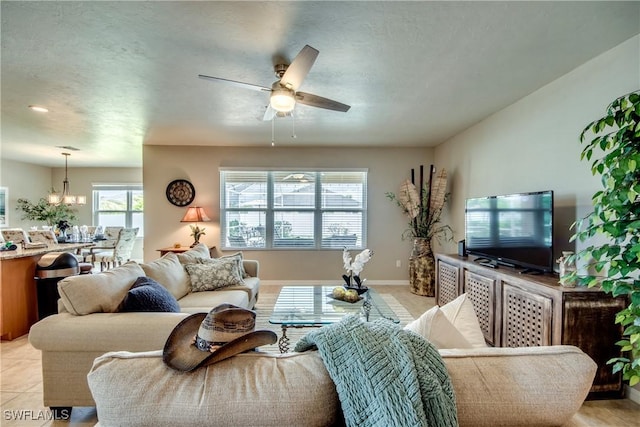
423 206
42 211
616 216
196 233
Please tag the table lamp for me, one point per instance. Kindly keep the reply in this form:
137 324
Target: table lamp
195 214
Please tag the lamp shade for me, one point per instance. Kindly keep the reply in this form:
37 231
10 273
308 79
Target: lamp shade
195 214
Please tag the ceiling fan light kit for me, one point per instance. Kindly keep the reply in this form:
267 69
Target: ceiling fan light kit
282 99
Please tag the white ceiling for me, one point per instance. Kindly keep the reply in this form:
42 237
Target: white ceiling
116 75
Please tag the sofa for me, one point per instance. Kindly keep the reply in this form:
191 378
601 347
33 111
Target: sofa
91 321
533 386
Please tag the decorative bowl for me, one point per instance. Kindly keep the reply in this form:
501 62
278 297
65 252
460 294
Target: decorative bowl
359 290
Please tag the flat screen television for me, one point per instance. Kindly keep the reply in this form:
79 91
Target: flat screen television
513 229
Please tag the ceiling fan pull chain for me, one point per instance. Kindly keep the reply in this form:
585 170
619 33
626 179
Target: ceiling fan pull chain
273 138
293 126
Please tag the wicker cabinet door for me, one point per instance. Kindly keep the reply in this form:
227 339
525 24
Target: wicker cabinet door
481 292
526 318
448 279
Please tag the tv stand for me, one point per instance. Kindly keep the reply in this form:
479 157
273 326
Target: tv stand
524 310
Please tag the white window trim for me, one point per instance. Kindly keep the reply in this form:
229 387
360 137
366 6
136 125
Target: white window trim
269 210
96 188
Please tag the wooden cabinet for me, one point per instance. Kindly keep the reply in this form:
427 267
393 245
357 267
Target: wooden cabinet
522 310
449 279
526 318
482 292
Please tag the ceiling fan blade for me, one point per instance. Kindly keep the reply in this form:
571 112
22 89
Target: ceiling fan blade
299 68
320 102
236 83
269 114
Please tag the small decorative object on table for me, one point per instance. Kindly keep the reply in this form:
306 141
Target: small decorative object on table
62 227
343 294
567 268
354 269
196 232
8 246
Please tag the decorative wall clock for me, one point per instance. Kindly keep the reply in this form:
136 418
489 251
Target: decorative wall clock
180 192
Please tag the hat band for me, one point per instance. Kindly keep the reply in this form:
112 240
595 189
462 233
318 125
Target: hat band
205 345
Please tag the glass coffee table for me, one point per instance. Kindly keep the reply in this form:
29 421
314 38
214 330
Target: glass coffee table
313 306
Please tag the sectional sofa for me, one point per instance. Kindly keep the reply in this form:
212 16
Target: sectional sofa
90 320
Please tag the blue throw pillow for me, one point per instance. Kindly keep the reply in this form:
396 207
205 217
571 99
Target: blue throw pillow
148 295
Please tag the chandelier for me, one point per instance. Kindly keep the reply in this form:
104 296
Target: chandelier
65 197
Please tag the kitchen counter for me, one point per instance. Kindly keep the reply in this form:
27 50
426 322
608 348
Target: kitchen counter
19 303
61 247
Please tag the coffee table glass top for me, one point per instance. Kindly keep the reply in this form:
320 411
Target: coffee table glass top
313 305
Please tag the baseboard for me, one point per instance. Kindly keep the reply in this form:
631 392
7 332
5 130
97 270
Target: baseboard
329 282
633 394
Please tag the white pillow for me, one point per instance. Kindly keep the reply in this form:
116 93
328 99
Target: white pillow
98 293
461 313
199 251
169 273
434 326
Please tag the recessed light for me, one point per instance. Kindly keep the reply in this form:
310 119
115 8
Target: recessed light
39 108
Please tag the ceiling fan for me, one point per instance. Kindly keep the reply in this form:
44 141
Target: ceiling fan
284 92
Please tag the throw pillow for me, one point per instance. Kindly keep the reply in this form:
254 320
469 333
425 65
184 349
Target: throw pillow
148 295
237 256
215 252
98 293
197 252
214 275
434 326
461 313
169 273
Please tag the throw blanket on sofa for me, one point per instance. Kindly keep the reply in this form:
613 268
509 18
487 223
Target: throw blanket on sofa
385 376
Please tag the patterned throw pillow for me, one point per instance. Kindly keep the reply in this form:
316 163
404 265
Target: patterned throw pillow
214 274
237 256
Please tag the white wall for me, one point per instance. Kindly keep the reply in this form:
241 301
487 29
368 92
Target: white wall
387 169
23 180
533 144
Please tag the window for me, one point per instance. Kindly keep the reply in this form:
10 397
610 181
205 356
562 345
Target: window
118 205
293 209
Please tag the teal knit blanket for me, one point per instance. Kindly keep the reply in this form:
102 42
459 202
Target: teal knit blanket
385 376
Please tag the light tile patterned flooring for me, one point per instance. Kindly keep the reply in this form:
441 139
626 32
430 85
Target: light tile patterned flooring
21 383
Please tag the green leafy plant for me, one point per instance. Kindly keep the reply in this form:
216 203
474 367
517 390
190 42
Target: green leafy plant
616 216
45 212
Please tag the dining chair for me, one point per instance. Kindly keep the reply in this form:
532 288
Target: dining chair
43 236
111 233
87 254
120 253
15 235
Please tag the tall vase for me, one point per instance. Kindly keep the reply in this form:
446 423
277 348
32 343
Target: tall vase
422 268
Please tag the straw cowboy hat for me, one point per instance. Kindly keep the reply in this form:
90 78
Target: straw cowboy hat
202 339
